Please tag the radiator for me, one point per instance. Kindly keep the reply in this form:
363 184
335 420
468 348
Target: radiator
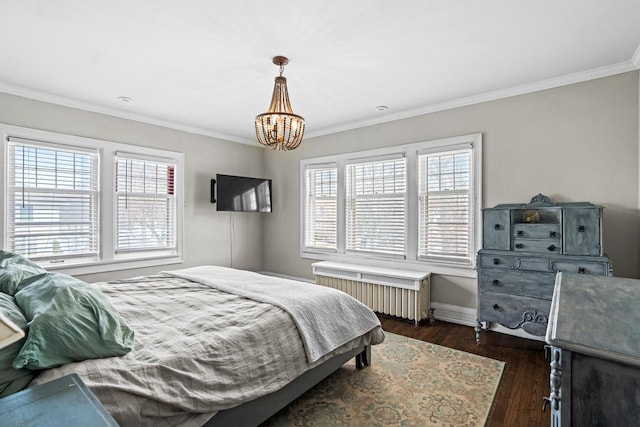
400 293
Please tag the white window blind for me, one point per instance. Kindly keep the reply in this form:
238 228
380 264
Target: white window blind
445 206
321 207
375 206
145 204
52 200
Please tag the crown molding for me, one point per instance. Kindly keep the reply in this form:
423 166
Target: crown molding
555 82
95 108
596 73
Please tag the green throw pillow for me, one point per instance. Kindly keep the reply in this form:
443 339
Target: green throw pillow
69 321
12 380
14 270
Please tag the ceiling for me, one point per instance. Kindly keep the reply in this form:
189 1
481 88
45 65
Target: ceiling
205 66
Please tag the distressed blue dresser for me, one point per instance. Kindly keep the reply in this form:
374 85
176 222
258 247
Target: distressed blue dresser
524 246
594 334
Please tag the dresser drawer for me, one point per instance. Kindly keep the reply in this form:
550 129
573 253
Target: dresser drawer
496 229
581 267
496 261
515 262
513 311
582 231
537 231
544 246
529 284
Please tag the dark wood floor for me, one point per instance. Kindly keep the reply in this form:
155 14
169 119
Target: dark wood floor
525 379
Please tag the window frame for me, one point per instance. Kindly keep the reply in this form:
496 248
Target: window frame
40 177
372 160
411 152
107 258
472 215
316 167
169 196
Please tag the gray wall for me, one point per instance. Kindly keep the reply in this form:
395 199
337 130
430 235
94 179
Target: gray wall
573 143
208 233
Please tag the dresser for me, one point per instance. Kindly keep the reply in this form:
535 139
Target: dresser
594 334
524 246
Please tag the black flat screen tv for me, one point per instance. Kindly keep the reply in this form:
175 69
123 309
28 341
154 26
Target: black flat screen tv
242 194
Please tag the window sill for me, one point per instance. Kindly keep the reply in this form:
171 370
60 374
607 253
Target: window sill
434 268
80 268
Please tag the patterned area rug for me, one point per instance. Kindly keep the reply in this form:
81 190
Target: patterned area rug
410 383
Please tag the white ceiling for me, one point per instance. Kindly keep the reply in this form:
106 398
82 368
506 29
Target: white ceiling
205 66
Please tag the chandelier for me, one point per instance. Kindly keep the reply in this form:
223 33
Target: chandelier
279 128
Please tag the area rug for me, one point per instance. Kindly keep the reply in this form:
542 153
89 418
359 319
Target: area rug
410 383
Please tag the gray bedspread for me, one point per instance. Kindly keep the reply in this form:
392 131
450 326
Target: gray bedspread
198 350
327 305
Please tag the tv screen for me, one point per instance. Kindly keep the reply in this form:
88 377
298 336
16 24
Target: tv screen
243 194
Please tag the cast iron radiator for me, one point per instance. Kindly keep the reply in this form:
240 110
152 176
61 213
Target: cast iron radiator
400 293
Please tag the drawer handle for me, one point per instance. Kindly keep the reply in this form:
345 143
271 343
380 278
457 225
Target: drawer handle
581 228
496 307
552 234
520 233
552 248
519 245
496 227
496 261
581 270
495 282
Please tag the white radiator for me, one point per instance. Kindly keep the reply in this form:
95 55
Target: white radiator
401 293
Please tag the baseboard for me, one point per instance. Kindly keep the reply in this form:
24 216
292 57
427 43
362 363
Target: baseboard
454 313
445 312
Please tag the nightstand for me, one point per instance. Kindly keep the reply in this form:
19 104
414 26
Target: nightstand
63 402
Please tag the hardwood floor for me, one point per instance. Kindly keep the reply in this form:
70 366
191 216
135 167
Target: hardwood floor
524 382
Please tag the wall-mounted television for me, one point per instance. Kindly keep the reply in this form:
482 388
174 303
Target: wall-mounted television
241 193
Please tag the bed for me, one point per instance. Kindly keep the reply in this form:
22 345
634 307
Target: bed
210 349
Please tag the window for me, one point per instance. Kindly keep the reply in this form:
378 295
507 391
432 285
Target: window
52 200
376 195
83 206
321 207
445 206
416 204
145 204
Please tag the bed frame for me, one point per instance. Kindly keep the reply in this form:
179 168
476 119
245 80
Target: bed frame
254 412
